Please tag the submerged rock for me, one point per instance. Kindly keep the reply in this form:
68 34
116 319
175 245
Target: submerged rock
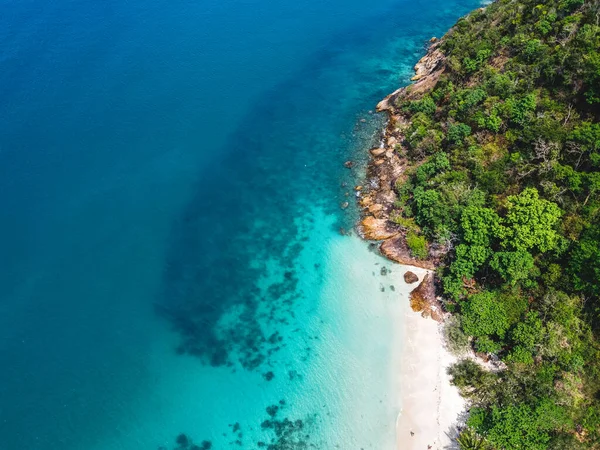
410 277
349 164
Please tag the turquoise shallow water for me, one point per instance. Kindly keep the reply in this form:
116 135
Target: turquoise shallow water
170 176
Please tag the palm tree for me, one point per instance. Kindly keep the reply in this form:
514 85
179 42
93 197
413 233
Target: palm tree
469 440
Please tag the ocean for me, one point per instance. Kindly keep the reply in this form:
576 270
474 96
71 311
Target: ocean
179 266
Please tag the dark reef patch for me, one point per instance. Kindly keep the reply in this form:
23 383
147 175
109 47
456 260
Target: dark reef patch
252 212
282 433
184 442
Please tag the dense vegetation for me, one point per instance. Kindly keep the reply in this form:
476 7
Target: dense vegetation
505 172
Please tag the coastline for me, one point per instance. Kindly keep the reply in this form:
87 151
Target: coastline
386 167
431 408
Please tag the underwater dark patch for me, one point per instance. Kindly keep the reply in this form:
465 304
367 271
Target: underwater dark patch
284 433
253 210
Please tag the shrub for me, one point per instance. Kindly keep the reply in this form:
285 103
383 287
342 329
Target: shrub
426 106
457 132
484 344
417 245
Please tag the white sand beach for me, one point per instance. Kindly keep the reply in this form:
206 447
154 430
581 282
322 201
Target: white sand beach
431 406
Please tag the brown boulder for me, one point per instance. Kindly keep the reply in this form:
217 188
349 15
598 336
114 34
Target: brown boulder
410 277
366 201
377 151
423 300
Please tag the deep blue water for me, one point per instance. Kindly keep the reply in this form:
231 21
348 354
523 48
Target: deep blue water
161 165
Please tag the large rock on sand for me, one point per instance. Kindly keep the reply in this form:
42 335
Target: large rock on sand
410 277
423 300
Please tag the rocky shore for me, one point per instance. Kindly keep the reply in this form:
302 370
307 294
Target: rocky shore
386 168
431 406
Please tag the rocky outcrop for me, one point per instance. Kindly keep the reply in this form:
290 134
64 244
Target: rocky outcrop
395 248
427 73
423 299
385 170
430 63
377 229
386 167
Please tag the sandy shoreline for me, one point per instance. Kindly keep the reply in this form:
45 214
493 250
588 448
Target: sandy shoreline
431 406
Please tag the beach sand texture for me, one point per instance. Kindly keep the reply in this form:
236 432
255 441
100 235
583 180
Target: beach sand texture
430 405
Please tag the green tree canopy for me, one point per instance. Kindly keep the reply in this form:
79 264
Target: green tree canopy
480 226
531 222
484 315
513 266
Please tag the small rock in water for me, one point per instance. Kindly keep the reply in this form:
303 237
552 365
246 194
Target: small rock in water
358 188
410 277
349 164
